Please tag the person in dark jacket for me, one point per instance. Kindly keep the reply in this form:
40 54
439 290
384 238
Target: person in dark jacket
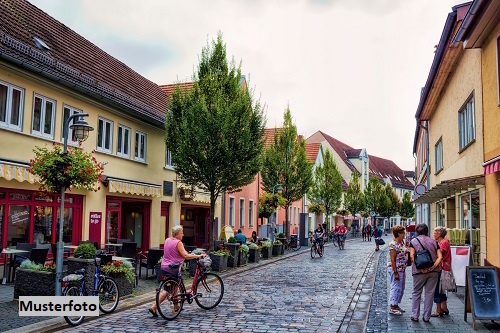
377 235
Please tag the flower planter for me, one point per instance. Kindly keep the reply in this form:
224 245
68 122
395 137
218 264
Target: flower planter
267 252
254 255
34 283
283 241
242 258
232 260
89 266
219 263
277 249
126 288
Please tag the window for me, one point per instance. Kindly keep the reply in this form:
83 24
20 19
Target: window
168 159
466 128
242 213
104 135
123 145
250 213
11 106
43 117
438 158
140 146
231 212
290 215
294 215
440 214
69 111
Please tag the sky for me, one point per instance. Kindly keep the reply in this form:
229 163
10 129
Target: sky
353 69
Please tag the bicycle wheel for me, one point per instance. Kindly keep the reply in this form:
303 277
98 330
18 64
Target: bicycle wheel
313 251
296 247
168 301
209 290
109 294
73 290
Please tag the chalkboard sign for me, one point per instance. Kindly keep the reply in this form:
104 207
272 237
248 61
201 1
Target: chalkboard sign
482 293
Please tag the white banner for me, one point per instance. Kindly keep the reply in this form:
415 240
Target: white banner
54 306
459 261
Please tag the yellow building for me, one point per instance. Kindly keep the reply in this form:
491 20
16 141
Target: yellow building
450 116
480 33
48 72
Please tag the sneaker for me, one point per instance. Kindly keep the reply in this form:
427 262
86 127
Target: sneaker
395 312
401 309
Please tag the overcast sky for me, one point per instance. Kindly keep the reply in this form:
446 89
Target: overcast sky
350 68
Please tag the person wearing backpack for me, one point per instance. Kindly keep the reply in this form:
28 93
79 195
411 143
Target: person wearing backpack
426 258
377 235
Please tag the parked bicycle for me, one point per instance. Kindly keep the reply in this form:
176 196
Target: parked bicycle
315 248
104 286
292 243
207 291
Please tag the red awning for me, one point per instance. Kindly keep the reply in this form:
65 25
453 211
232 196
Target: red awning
492 167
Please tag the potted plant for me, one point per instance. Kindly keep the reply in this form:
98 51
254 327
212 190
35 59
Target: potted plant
83 257
123 273
233 246
281 237
35 280
266 249
277 248
219 259
243 255
253 252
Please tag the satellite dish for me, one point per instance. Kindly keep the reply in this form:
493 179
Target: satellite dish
420 189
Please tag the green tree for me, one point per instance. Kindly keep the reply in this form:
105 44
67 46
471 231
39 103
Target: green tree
374 192
390 204
327 186
354 199
215 130
268 204
285 163
407 208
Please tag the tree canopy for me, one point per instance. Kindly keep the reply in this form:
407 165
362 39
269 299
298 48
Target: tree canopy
354 199
390 205
407 208
374 192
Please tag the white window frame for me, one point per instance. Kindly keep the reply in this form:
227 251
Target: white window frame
168 159
8 107
43 117
121 147
100 145
231 211
250 213
242 213
137 152
466 124
72 111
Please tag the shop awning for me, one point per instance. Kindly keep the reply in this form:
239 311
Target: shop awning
17 171
448 188
492 166
119 185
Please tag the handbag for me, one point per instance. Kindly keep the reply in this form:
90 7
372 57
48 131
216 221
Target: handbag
379 241
447 282
423 257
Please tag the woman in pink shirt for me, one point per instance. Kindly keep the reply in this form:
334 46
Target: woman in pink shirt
174 254
440 298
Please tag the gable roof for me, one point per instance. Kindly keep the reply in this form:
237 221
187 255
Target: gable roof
75 62
341 148
383 168
312 150
352 153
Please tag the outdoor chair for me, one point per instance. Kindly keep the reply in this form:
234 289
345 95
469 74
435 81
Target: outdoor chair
129 251
105 258
152 258
37 256
53 248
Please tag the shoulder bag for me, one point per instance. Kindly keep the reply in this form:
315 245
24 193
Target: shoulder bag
447 282
423 258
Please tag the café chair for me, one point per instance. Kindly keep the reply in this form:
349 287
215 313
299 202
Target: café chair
151 260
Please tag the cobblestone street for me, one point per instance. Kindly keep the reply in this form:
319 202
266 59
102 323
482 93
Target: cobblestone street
295 294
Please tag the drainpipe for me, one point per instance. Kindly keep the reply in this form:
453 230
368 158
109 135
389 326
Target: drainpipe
428 180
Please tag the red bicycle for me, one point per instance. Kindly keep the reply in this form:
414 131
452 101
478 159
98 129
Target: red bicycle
207 291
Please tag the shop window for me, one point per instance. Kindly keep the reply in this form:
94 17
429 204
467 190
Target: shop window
18 228
440 214
2 196
20 196
11 106
112 226
44 110
469 206
67 224
231 212
1 223
42 232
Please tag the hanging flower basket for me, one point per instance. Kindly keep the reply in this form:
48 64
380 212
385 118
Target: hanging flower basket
58 170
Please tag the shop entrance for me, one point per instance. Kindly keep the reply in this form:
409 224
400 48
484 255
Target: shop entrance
196 223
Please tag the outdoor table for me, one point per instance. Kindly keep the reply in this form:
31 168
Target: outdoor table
113 245
70 247
9 252
121 258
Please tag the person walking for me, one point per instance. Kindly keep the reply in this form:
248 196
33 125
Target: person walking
440 297
369 232
377 234
398 257
426 278
363 232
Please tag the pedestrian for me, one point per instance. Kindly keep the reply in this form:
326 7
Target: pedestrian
426 278
253 238
398 257
174 255
440 297
240 238
341 232
377 234
369 232
363 232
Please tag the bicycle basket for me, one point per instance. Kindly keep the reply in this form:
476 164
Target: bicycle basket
206 262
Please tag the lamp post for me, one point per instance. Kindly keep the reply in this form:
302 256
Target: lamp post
81 131
279 189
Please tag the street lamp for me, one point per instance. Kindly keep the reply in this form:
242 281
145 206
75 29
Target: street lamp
81 131
279 190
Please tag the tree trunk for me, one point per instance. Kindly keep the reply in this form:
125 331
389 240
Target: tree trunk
287 233
211 235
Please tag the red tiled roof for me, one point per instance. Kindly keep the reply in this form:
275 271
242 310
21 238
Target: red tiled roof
170 88
344 185
340 148
383 168
312 150
74 61
352 153
269 136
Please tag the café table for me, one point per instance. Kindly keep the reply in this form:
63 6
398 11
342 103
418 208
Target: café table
113 245
9 252
121 258
70 247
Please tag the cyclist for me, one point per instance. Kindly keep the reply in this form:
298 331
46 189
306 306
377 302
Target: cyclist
318 234
174 255
341 231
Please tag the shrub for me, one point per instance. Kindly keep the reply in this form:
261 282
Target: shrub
85 251
253 246
266 244
277 242
221 252
281 235
232 240
244 248
29 265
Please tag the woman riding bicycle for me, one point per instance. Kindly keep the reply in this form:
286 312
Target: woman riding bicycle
318 234
174 255
341 231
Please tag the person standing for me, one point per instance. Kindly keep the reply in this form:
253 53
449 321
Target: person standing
424 278
398 256
377 234
369 232
363 232
440 295
240 238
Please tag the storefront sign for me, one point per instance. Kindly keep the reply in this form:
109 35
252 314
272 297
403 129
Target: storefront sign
95 217
19 217
460 258
95 227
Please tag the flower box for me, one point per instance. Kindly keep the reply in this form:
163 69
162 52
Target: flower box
242 258
233 248
126 288
75 264
277 249
219 263
267 252
254 255
283 241
34 283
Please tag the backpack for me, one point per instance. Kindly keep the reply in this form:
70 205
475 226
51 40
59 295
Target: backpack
423 258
